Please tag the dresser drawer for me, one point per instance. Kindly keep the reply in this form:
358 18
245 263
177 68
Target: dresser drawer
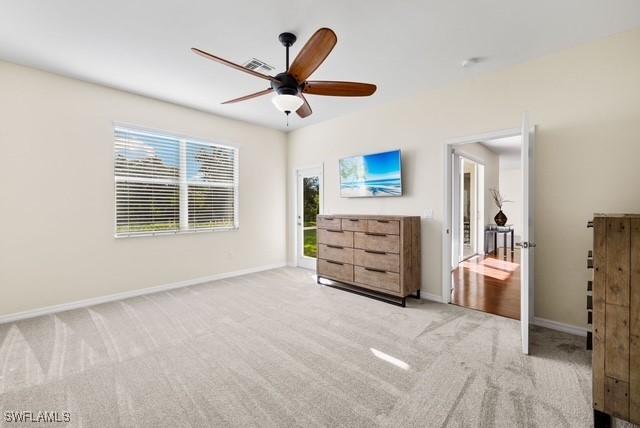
391 227
354 224
335 237
336 270
376 259
369 241
329 223
379 279
335 253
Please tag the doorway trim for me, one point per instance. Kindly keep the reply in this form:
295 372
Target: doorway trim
449 148
294 226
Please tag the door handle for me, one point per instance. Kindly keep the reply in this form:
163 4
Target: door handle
526 244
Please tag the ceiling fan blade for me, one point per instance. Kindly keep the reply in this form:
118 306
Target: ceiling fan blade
338 89
305 109
230 64
313 53
248 97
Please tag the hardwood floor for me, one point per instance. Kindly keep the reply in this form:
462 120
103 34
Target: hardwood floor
489 284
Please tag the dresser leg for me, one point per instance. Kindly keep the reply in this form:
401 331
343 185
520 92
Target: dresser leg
418 294
404 302
601 419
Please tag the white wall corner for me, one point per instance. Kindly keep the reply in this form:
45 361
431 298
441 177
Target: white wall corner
432 297
559 326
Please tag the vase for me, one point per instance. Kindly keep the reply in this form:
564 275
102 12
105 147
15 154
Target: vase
500 218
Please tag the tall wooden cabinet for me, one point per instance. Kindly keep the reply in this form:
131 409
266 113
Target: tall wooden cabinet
374 253
616 317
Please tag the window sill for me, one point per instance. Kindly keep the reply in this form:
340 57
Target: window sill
178 232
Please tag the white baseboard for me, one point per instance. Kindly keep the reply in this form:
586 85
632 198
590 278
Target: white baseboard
133 293
431 296
555 325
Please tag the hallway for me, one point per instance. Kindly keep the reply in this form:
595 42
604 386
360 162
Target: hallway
489 283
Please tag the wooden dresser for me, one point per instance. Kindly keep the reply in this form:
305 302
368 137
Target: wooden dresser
376 253
616 317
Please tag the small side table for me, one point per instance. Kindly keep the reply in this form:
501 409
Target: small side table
494 229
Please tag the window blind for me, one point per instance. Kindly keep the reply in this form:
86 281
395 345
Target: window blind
212 184
168 184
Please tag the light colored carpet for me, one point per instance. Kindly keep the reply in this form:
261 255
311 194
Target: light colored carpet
275 349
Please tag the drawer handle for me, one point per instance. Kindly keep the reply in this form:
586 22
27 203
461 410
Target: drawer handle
334 263
375 234
338 247
374 252
376 270
329 218
334 231
353 219
383 221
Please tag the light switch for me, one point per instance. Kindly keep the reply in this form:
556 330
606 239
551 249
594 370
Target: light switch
428 214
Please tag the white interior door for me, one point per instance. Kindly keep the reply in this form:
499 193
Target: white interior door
480 210
468 208
456 210
309 205
528 244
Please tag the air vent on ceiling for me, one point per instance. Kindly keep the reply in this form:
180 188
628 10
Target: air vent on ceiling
257 65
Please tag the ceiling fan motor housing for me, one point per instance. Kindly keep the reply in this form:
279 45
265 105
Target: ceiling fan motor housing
287 39
285 84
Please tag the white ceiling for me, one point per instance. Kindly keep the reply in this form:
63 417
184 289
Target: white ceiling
504 146
142 46
508 149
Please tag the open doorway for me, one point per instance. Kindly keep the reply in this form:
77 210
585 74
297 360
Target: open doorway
503 264
487 277
469 191
468 217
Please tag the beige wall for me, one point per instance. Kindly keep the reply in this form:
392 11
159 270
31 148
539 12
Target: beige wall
511 189
57 199
586 103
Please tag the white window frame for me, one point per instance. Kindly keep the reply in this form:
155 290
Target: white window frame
183 185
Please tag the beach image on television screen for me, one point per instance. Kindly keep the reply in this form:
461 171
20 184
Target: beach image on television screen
371 175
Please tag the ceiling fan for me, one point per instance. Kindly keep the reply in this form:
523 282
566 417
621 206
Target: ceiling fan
291 85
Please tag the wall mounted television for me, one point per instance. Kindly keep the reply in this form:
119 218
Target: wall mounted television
374 175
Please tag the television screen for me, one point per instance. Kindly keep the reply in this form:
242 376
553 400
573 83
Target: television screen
378 174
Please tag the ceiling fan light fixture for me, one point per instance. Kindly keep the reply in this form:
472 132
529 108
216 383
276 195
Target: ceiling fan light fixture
287 103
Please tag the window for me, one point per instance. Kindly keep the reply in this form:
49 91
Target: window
169 184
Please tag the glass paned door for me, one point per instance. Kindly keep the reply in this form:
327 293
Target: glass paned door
309 206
